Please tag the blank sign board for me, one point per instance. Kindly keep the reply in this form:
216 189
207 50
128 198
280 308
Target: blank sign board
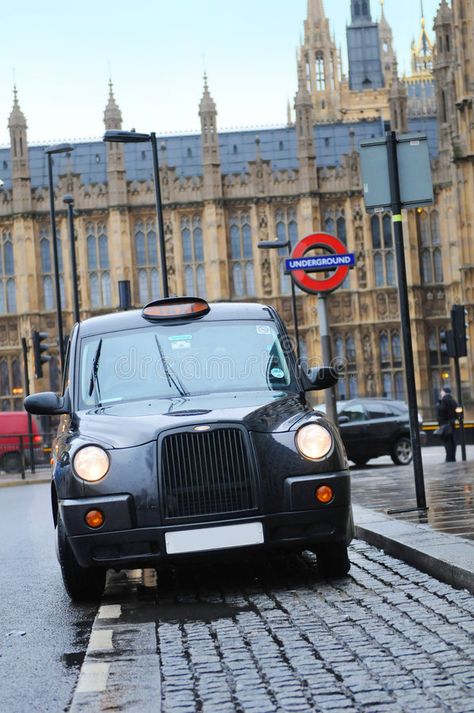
414 168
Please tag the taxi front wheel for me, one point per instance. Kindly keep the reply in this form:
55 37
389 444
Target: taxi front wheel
83 584
333 560
401 451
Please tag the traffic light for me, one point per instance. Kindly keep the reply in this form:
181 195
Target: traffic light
39 350
447 344
460 329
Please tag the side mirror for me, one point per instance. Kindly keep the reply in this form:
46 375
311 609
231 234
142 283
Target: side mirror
47 403
343 419
319 378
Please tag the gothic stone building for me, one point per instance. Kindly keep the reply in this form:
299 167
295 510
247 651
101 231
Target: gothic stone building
225 192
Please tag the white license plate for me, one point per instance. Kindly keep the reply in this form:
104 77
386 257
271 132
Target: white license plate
214 538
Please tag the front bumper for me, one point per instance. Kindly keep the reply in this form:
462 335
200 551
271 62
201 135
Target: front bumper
122 543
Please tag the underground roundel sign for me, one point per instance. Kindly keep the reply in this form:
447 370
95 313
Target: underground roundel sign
337 261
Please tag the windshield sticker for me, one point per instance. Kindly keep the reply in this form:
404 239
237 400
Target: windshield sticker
263 329
277 373
180 341
183 344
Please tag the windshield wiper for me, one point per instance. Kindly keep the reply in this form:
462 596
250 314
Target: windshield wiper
171 376
94 380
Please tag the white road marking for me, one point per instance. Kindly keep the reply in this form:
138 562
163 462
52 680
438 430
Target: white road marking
101 640
93 677
109 611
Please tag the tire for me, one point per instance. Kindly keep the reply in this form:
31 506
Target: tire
360 462
11 463
333 560
402 451
83 584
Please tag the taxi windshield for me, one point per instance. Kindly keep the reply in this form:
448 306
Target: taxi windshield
171 360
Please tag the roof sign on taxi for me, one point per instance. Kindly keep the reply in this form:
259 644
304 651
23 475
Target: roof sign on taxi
176 308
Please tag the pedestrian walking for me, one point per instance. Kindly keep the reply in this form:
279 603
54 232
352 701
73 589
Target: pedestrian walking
447 420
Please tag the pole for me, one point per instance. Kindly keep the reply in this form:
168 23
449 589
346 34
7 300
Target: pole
159 214
462 432
27 393
72 244
294 308
56 264
329 394
405 318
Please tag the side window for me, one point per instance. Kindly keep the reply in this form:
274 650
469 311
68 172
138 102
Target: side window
354 413
379 411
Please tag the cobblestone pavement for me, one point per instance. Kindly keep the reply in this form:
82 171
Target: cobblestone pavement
272 635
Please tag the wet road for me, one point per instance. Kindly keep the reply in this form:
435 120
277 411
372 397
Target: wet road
42 636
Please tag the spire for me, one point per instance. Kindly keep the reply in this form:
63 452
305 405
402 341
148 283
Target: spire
112 113
17 118
207 105
422 52
212 179
316 11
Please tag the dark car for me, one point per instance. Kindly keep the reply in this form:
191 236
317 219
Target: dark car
186 430
372 427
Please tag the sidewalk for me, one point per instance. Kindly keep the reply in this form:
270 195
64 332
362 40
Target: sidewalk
439 541
42 475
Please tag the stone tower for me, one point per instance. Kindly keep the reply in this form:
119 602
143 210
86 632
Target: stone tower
210 145
398 102
21 183
305 136
444 74
387 53
363 46
319 62
115 153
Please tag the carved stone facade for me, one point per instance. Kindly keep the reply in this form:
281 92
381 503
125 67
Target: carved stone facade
225 193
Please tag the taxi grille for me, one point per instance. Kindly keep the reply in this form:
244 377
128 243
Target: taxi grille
206 473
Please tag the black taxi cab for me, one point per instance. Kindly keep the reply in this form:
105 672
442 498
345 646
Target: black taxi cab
185 431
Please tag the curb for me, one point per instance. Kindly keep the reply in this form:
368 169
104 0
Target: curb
448 558
14 483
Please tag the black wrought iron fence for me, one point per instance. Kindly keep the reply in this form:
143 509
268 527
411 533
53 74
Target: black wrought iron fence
22 453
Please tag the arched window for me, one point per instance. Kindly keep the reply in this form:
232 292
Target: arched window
387 232
345 351
7 272
193 256
241 252
46 254
286 228
391 362
375 228
383 255
341 229
320 74
98 265
431 261
329 225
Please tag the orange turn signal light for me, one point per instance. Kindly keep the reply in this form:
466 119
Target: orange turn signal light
95 518
324 494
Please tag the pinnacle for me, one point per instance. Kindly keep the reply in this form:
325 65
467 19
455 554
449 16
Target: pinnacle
207 104
112 111
17 118
316 11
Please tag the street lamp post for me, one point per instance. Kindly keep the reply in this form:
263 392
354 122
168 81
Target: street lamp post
269 245
69 201
50 151
133 137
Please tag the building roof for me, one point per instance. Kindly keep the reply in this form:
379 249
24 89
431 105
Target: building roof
184 152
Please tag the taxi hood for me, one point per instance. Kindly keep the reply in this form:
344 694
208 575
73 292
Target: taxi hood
131 423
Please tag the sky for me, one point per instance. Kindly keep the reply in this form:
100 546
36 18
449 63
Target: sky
61 54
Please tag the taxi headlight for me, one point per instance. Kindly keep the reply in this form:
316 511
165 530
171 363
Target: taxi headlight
91 463
313 441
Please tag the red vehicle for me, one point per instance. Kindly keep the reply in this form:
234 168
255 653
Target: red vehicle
14 439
